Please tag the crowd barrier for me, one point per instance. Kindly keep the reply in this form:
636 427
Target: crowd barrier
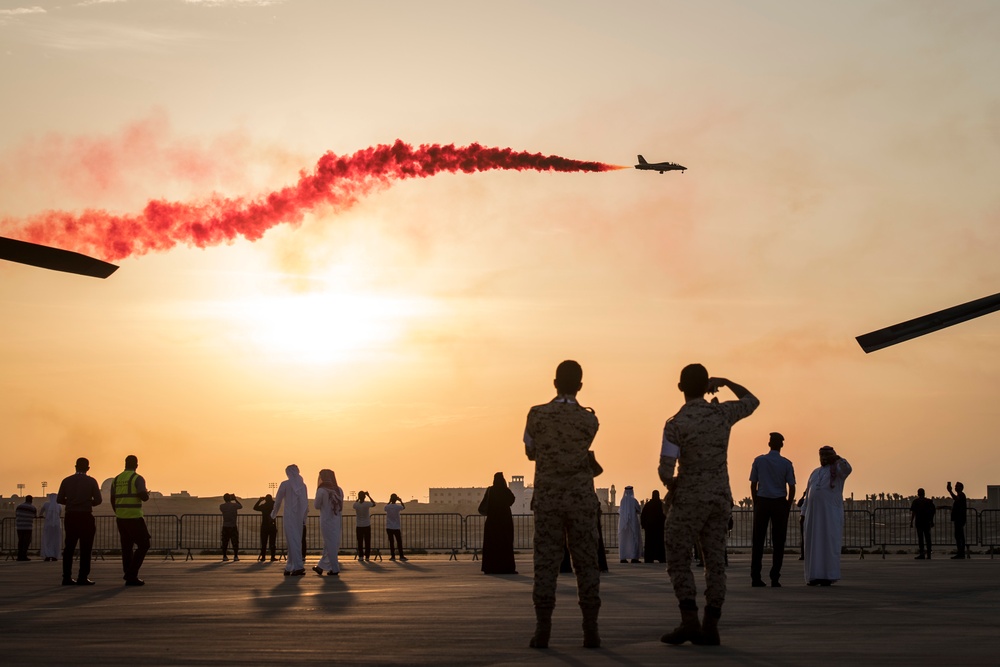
451 532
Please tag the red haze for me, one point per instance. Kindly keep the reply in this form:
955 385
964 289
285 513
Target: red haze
335 181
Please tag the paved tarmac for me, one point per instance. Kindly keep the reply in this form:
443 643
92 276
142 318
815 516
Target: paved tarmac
432 611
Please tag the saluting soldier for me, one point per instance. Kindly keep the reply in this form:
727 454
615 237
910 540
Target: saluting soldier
701 502
557 438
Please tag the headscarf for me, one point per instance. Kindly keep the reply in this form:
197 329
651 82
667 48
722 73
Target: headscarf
499 481
328 481
828 457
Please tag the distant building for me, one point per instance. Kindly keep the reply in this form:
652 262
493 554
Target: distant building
993 497
182 494
470 497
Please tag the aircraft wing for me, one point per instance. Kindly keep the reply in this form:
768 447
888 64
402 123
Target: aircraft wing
926 324
55 259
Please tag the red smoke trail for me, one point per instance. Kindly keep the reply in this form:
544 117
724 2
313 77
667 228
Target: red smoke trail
337 181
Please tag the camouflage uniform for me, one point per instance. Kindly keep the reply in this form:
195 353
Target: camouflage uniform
557 437
700 499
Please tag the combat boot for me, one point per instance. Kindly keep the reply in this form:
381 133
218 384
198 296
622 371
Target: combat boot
689 630
710 627
590 637
543 628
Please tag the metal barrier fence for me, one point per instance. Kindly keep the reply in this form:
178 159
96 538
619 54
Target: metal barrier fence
891 527
857 530
989 529
452 531
163 530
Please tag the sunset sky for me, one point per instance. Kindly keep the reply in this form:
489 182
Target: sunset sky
842 158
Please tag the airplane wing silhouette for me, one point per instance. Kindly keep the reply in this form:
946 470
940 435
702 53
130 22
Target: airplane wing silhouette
55 259
897 333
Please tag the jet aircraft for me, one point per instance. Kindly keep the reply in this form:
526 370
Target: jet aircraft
659 166
55 259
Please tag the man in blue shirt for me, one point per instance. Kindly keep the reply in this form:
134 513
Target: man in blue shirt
772 488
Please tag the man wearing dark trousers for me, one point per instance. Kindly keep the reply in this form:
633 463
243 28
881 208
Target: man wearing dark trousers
127 495
80 493
772 488
24 520
922 512
958 510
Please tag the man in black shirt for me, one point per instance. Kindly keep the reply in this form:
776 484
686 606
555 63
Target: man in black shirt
922 514
80 493
958 508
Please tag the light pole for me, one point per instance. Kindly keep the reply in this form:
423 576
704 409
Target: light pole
20 490
272 486
44 484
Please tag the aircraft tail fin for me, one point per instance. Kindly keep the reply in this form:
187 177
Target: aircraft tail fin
642 160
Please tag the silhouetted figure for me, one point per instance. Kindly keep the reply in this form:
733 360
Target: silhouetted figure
393 526
696 444
958 516
51 529
823 510
80 493
802 530
128 492
268 527
363 525
230 526
557 437
293 494
498 532
330 503
629 533
652 519
24 521
772 488
922 512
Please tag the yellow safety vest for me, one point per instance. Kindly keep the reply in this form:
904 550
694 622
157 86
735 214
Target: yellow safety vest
128 505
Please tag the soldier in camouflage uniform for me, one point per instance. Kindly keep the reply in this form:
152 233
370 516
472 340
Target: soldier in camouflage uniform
557 438
699 497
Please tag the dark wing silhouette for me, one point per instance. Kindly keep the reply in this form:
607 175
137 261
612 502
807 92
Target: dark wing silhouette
56 259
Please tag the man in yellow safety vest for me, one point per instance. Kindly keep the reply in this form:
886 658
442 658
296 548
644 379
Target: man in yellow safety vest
127 494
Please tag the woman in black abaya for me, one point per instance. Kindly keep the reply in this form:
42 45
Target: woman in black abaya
498 534
651 520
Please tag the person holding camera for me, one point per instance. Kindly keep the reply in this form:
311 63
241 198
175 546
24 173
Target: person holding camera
394 527
268 527
230 529
363 525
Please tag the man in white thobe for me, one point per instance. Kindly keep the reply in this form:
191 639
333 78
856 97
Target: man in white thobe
51 529
292 492
629 532
823 511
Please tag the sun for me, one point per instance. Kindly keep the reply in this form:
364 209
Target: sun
322 328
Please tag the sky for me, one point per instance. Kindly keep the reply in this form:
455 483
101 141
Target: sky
842 165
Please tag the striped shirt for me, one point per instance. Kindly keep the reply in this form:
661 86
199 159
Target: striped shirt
24 516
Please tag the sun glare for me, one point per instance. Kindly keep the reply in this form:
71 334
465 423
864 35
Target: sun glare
322 327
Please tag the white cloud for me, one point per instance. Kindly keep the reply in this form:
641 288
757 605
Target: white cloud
234 3
87 3
20 11
88 36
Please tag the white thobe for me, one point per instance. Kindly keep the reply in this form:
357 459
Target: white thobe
51 529
328 502
629 532
295 497
823 528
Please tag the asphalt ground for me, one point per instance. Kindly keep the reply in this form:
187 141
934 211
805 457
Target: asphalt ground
435 611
